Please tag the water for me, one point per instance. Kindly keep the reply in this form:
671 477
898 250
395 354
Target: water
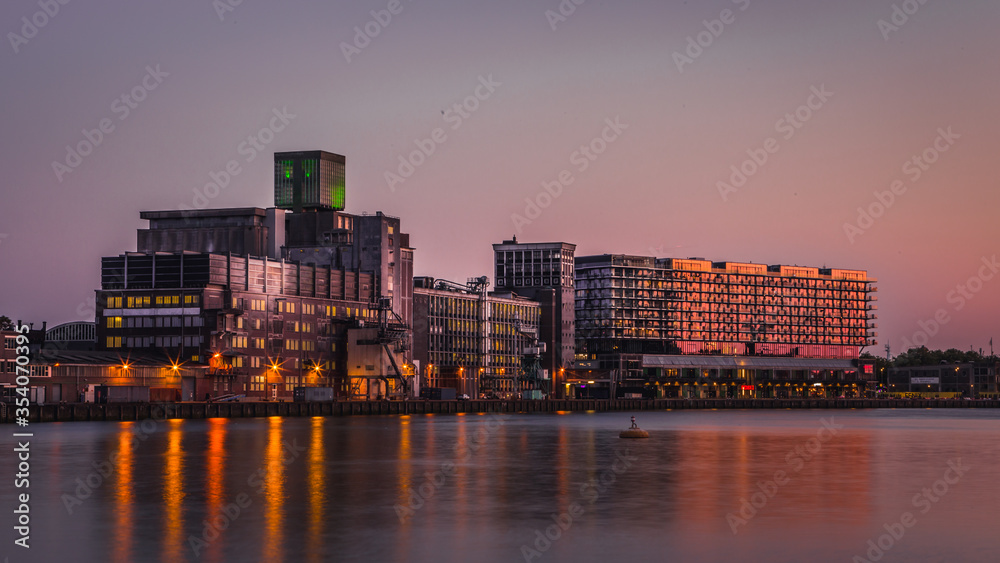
351 489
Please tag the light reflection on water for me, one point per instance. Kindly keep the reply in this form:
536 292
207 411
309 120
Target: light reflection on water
665 498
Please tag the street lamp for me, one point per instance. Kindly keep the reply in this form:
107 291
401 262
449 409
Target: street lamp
267 340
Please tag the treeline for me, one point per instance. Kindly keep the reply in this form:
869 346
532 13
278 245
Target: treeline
925 357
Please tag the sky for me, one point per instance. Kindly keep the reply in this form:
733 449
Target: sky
858 134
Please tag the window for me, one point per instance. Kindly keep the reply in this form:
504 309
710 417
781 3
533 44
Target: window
257 383
115 322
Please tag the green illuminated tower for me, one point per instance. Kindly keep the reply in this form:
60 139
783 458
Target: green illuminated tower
309 180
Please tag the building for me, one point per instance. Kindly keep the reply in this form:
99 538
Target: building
544 272
266 298
367 243
72 375
639 317
79 335
655 376
261 326
472 340
945 380
21 344
309 180
248 231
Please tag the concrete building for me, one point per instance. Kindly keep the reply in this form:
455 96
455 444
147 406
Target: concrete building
309 180
367 243
544 272
261 326
472 340
246 231
243 290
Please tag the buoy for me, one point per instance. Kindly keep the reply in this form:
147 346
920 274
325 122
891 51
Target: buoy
634 432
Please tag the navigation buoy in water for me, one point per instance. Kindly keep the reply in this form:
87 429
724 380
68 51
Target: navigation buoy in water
634 432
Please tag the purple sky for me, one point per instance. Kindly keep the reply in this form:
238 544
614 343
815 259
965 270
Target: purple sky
655 189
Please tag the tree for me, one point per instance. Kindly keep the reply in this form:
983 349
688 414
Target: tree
6 323
924 357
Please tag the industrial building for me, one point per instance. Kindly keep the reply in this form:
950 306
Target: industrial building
544 272
269 299
474 340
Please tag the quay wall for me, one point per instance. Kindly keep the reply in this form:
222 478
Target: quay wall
142 411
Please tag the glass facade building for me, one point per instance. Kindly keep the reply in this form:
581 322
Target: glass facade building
646 305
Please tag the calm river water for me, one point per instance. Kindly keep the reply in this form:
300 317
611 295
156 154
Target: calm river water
755 486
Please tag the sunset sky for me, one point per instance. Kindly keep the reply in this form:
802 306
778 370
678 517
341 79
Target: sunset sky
923 84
